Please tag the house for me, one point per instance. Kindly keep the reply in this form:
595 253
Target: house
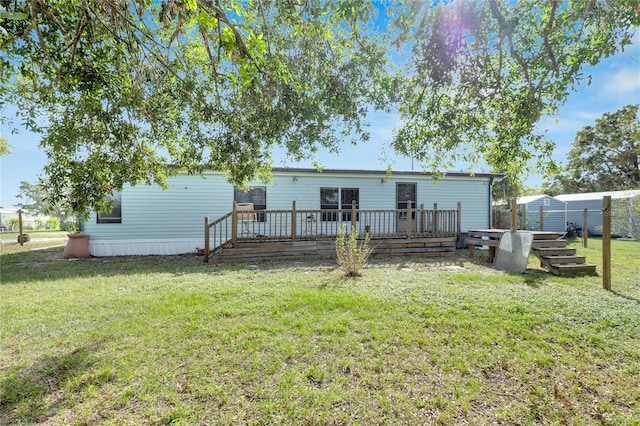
592 201
554 216
148 220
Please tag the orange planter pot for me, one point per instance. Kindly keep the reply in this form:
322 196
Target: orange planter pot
77 246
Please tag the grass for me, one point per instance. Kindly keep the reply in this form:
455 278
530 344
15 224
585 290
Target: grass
12 236
171 340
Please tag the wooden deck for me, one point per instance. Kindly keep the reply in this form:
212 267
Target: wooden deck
246 251
248 235
549 247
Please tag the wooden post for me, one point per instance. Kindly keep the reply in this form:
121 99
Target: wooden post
435 217
206 239
234 225
514 215
20 227
409 221
459 222
294 224
542 218
422 218
354 211
585 229
606 242
522 215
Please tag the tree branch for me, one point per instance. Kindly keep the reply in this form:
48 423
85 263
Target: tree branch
545 36
508 31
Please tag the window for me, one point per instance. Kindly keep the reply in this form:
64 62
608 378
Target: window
256 195
335 199
115 215
329 201
547 202
405 192
347 197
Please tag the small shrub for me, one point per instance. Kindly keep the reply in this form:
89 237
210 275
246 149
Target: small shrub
53 223
70 225
13 224
352 256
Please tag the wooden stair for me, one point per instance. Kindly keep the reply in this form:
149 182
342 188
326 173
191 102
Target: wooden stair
557 257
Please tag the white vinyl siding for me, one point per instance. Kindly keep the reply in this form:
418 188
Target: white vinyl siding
151 214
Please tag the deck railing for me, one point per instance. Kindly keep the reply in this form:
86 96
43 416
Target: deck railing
315 224
217 234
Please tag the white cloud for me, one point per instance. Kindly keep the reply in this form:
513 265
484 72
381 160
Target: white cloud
624 81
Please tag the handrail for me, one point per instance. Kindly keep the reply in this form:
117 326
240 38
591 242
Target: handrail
220 234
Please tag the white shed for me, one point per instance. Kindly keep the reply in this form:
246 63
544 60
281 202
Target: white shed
554 213
592 201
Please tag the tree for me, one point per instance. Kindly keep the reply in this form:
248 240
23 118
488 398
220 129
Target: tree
604 157
483 73
128 87
506 189
626 216
37 203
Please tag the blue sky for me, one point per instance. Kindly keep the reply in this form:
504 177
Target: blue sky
615 83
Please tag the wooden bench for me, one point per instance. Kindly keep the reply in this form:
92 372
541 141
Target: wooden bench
484 237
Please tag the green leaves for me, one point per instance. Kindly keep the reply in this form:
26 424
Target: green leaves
484 73
5 148
604 157
127 88
121 89
352 254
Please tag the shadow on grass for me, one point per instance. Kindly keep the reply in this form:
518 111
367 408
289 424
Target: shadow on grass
531 276
626 296
535 277
34 394
38 264
47 263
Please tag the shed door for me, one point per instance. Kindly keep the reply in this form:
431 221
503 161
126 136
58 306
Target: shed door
405 192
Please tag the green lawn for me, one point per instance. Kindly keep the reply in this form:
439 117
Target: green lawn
12 236
171 340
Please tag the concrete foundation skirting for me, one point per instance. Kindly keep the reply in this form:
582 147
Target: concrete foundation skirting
149 247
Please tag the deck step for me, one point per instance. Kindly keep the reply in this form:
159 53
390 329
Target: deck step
554 251
562 260
542 235
573 269
548 243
